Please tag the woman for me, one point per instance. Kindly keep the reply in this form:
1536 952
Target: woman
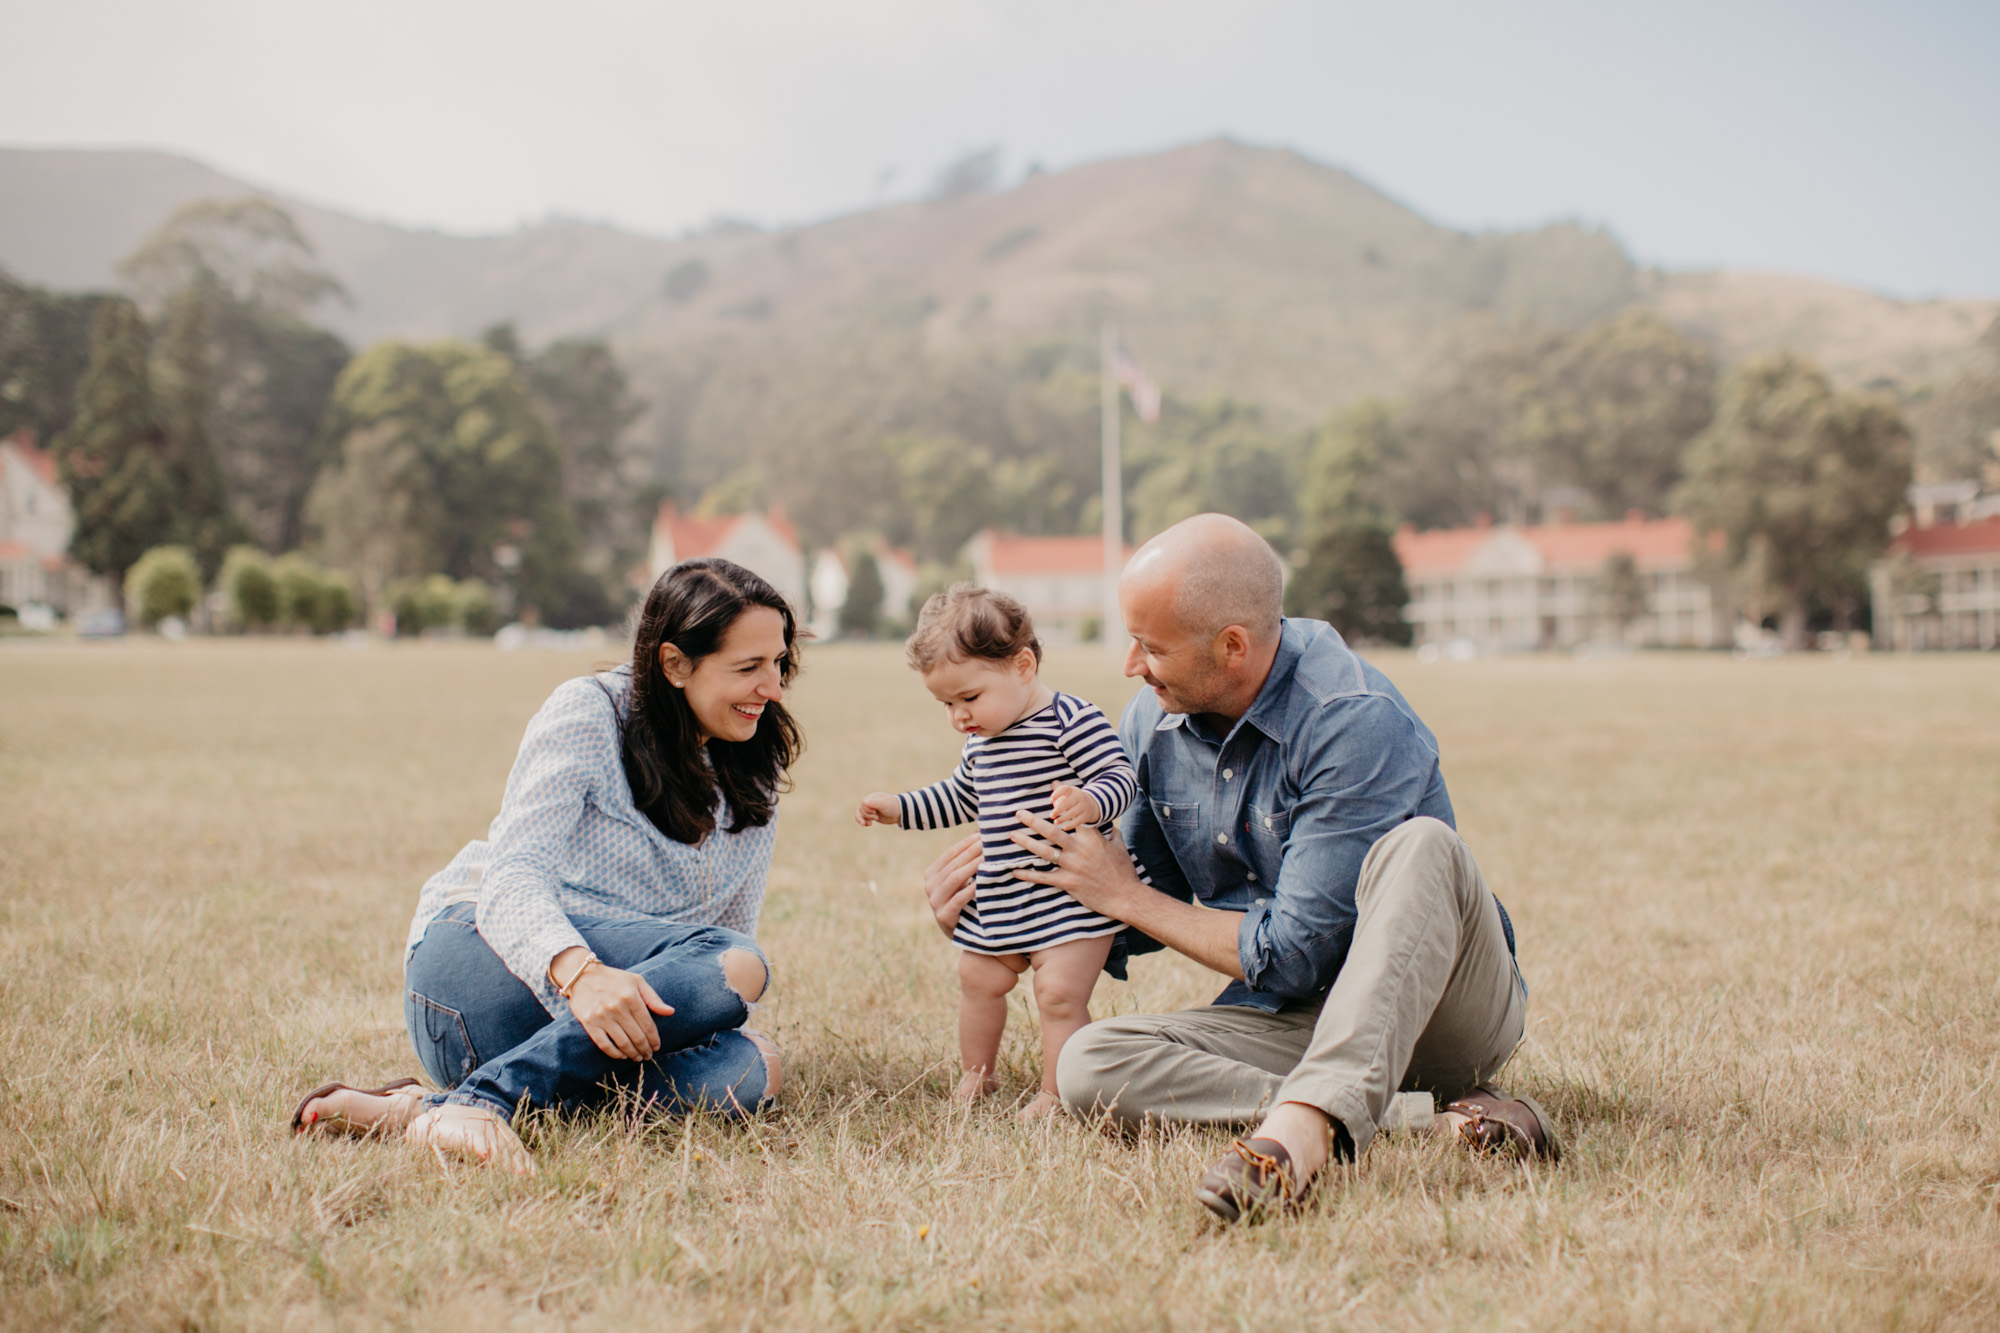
598 944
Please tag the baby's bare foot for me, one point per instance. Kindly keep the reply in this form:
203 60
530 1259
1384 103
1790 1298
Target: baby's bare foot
1046 1104
977 1083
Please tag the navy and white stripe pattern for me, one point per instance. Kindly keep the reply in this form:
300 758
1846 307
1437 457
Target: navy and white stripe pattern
1069 742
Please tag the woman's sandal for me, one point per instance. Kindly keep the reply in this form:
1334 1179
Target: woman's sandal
341 1124
1496 1122
475 1133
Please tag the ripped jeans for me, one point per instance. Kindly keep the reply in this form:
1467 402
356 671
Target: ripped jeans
480 1032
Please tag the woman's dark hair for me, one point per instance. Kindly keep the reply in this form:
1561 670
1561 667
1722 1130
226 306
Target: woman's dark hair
674 777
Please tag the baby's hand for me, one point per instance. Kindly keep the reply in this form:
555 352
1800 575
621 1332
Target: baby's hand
878 807
1074 807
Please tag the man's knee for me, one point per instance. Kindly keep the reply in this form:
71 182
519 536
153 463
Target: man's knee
1411 847
1088 1075
744 972
1423 834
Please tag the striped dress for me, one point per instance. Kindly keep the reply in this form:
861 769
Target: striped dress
1070 742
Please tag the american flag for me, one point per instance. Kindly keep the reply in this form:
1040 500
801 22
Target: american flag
1145 394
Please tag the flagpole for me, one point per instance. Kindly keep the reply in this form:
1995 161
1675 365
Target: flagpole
1111 624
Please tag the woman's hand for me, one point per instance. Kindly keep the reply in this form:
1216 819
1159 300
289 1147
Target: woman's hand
615 1007
948 881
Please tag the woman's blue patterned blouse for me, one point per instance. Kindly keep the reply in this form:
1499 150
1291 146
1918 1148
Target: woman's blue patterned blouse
568 842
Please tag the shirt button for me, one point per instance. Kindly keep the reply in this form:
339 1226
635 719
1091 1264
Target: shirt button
1228 773
1253 877
1222 837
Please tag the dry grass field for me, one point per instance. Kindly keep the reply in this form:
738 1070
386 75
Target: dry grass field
1759 907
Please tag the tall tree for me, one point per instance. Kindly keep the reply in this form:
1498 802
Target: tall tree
184 388
1957 423
861 613
1351 576
113 456
44 350
1222 456
443 465
1801 479
1611 410
233 280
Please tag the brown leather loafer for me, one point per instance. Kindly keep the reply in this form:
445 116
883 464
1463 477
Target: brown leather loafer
1495 1122
1254 1178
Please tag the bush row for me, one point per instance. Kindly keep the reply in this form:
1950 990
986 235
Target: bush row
291 592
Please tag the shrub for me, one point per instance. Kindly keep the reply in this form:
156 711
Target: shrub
163 582
338 606
474 609
436 602
311 598
251 589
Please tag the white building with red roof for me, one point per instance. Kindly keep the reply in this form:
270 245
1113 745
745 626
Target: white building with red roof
1514 588
830 578
1938 583
1059 579
35 526
765 544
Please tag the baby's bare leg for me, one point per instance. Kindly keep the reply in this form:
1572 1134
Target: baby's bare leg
983 983
1065 975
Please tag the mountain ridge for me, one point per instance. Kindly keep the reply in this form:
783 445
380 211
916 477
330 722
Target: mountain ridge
1231 268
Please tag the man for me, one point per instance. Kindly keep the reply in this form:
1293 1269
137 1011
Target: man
1297 835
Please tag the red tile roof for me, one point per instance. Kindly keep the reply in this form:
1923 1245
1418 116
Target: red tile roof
1981 537
40 460
15 551
695 537
1439 551
1654 543
1047 555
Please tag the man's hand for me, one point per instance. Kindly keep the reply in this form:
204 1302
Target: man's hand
879 807
1095 870
615 1007
1098 872
1075 807
948 882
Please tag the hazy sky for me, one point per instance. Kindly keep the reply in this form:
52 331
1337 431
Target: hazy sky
1850 140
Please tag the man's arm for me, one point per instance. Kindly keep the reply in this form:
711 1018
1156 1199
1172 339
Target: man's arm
1364 772
1098 872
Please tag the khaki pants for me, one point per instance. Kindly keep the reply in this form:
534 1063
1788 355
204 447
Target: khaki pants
1429 999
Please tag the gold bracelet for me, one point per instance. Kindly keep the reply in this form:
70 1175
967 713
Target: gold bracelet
563 988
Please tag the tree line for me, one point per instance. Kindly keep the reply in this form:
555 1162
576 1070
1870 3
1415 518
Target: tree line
1514 423
204 413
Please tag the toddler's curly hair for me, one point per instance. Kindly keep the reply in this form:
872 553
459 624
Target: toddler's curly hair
966 621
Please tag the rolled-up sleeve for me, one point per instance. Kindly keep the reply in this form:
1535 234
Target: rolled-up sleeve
558 766
1363 772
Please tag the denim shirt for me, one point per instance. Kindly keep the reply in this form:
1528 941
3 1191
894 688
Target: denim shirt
1274 818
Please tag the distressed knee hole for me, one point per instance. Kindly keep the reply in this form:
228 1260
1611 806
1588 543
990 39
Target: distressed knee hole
744 972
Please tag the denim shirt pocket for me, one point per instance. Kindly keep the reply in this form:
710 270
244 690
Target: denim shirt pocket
1181 822
1269 827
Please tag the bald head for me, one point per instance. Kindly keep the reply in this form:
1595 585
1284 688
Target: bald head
1217 572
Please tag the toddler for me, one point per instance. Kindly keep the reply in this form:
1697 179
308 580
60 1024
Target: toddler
1027 748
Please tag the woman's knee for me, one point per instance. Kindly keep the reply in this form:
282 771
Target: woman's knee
746 973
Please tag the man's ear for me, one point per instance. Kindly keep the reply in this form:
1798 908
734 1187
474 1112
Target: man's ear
675 666
1232 647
